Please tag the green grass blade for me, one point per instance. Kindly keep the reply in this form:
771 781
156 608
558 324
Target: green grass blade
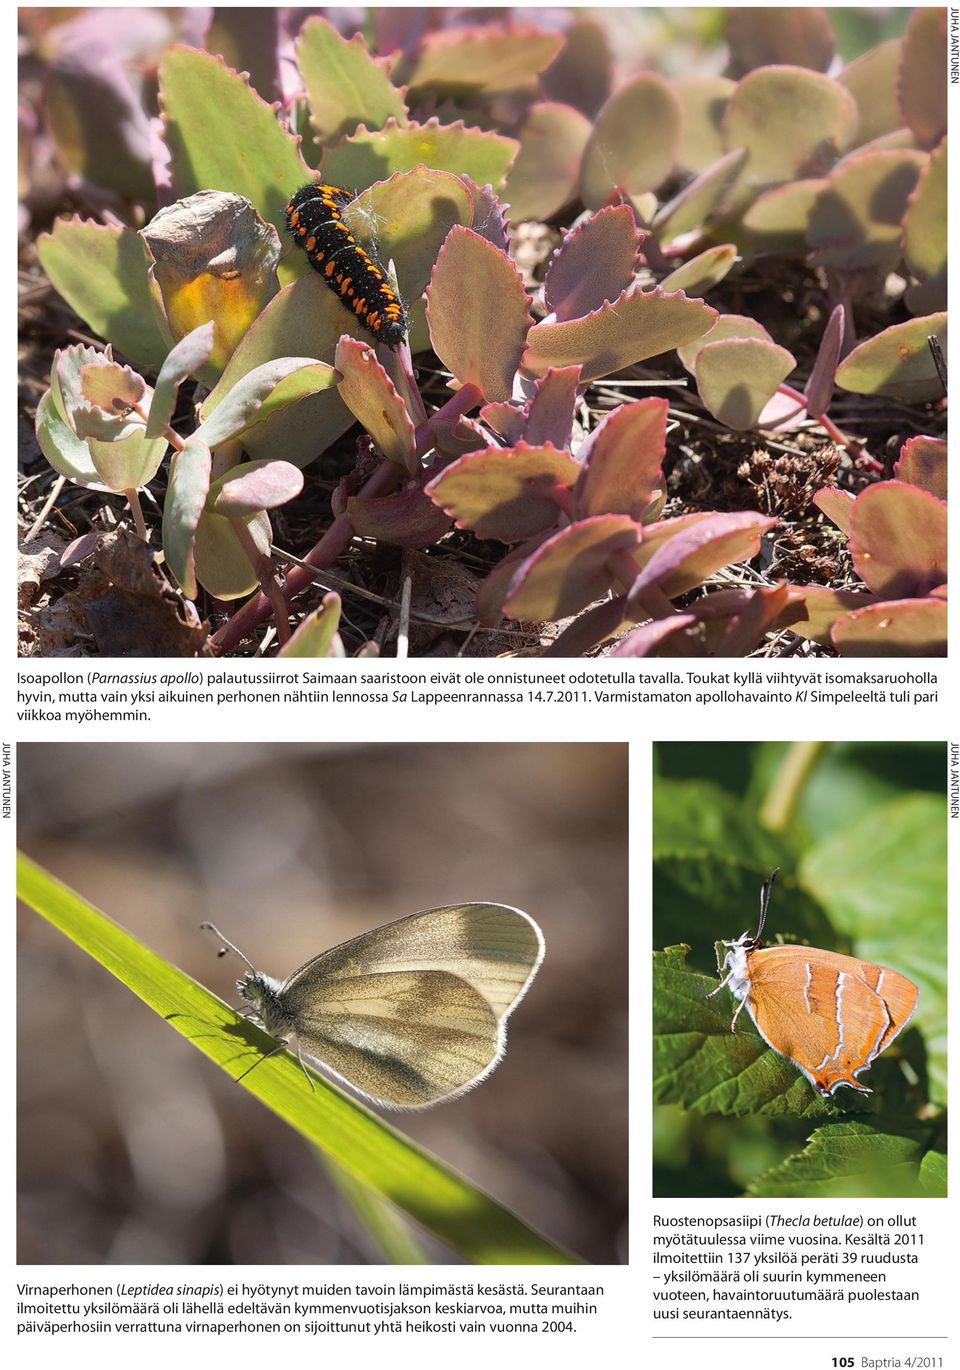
360 1143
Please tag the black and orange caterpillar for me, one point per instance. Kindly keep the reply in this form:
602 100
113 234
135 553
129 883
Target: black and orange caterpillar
314 218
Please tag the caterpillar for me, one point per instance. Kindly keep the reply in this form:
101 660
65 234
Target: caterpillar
314 218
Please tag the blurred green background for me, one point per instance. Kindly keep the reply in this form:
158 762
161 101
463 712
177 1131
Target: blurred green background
859 830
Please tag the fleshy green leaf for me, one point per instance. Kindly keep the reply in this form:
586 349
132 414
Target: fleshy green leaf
737 377
898 539
261 393
368 156
183 505
631 329
505 493
317 635
701 273
101 272
897 361
223 136
187 358
856 219
545 176
615 158
371 397
570 569
922 85
483 344
468 64
345 85
895 628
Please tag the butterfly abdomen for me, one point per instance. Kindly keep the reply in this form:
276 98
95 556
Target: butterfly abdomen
314 217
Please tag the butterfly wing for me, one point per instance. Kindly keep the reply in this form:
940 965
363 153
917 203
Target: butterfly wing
495 949
404 1038
830 1015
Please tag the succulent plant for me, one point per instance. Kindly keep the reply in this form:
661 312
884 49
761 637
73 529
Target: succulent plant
439 151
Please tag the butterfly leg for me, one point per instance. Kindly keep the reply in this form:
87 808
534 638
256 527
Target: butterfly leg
733 1025
260 1060
722 985
305 1071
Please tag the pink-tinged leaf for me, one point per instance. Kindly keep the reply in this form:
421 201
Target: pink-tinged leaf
759 37
697 550
621 460
777 219
738 376
792 122
406 518
923 462
187 358
594 625
471 63
582 71
489 214
317 635
505 493
570 569
594 264
896 628
482 344
726 326
507 420
702 272
493 589
922 84
925 239
824 607
632 329
545 176
647 640
783 412
750 615
550 411
897 361
255 485
898 539
704 99
96 116
872 81
818 390
78 550
616 159
856 220
370 395
697 201
183 506
837 505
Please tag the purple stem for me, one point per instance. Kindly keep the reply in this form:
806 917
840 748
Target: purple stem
833 432
324 554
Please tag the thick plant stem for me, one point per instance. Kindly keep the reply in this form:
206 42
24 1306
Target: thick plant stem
834 433
778 809
263 567
133 499
324 554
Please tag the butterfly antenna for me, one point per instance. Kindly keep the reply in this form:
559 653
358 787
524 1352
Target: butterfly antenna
227 945
765 889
